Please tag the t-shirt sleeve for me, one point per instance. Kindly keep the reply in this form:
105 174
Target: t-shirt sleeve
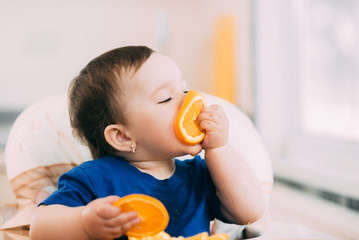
213 201
74 189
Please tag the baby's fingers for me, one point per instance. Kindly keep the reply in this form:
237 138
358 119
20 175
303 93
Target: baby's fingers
126 226
214 122
207 126
123 219
107 211
210 117
213 113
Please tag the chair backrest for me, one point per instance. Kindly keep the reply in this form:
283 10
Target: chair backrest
247 141
41 147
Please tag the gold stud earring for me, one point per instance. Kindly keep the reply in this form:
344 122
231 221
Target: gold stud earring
133 148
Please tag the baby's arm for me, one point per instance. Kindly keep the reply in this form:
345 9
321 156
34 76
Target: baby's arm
98 220
238 187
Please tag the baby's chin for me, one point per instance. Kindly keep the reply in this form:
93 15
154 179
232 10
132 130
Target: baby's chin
194 149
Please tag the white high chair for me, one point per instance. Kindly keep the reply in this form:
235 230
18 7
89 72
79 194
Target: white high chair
41 147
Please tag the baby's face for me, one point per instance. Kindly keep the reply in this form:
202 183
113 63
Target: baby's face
154 95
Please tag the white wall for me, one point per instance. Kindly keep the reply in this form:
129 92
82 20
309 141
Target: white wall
44 44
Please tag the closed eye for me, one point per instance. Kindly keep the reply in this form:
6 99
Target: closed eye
166 100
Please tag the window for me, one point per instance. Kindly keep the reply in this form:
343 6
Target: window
329 68
307 90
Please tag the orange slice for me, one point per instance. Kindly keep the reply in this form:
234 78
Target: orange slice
199 236
186 127
152 213
219 236
160 236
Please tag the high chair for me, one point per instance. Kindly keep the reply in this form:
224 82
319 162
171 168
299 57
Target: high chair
41 147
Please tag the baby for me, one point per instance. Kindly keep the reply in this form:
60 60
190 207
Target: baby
123 105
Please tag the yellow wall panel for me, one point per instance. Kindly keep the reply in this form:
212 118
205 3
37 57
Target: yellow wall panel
224 62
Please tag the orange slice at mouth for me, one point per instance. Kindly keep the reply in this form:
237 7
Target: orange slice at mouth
186 127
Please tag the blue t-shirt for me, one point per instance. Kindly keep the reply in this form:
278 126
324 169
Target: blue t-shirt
189 195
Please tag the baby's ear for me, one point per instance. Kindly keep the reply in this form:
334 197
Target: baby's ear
116 136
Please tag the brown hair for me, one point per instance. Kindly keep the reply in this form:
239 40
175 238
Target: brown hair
95 94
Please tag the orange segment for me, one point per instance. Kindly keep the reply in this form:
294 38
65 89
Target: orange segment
219 236
186 127
152 213
160 236
199 236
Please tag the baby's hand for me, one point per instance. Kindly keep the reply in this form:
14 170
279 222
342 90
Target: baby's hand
101 220
214 122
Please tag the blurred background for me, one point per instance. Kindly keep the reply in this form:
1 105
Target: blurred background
291 65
